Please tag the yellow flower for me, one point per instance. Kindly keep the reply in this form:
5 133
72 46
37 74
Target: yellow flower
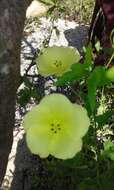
57 60
56 127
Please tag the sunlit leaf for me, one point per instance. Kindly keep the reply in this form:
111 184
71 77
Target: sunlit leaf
102 119
96 79
109 149
88 56
77 72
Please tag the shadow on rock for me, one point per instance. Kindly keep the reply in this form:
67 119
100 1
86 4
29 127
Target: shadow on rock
77 37
26 167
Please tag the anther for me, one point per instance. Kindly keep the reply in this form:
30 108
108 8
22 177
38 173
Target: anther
58 63
52 129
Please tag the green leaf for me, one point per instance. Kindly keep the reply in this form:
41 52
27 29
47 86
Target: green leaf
88 184
24 96
102 119
88 56
109 149
110 73
26 81
98 46
112 38
76 162
84 97
108 144
77 72
48 2
96 79
107 179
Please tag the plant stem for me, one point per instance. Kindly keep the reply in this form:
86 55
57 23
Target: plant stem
110 60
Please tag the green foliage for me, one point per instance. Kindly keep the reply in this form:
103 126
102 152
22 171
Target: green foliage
110 74
78 70
88 60
79 10
48 2
93 167
103 118
86 170
27 92
25 95
96 79
109 149
98 46
112 38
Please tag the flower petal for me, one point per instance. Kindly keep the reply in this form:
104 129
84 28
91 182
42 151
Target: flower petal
56 127
57 101
38 141
82 121
65 146
63 56
35 118
43 67
60 107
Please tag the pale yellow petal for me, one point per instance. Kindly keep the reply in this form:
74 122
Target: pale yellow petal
56 127
69 56
65 146
57 60
59 105
35 117
57 101
38 141
81 120
43 67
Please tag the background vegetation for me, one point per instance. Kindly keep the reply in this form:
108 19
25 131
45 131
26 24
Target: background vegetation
92 168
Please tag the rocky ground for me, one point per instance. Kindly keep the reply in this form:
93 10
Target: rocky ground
22 164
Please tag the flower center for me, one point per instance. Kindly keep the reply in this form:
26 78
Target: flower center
55 128
58 63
